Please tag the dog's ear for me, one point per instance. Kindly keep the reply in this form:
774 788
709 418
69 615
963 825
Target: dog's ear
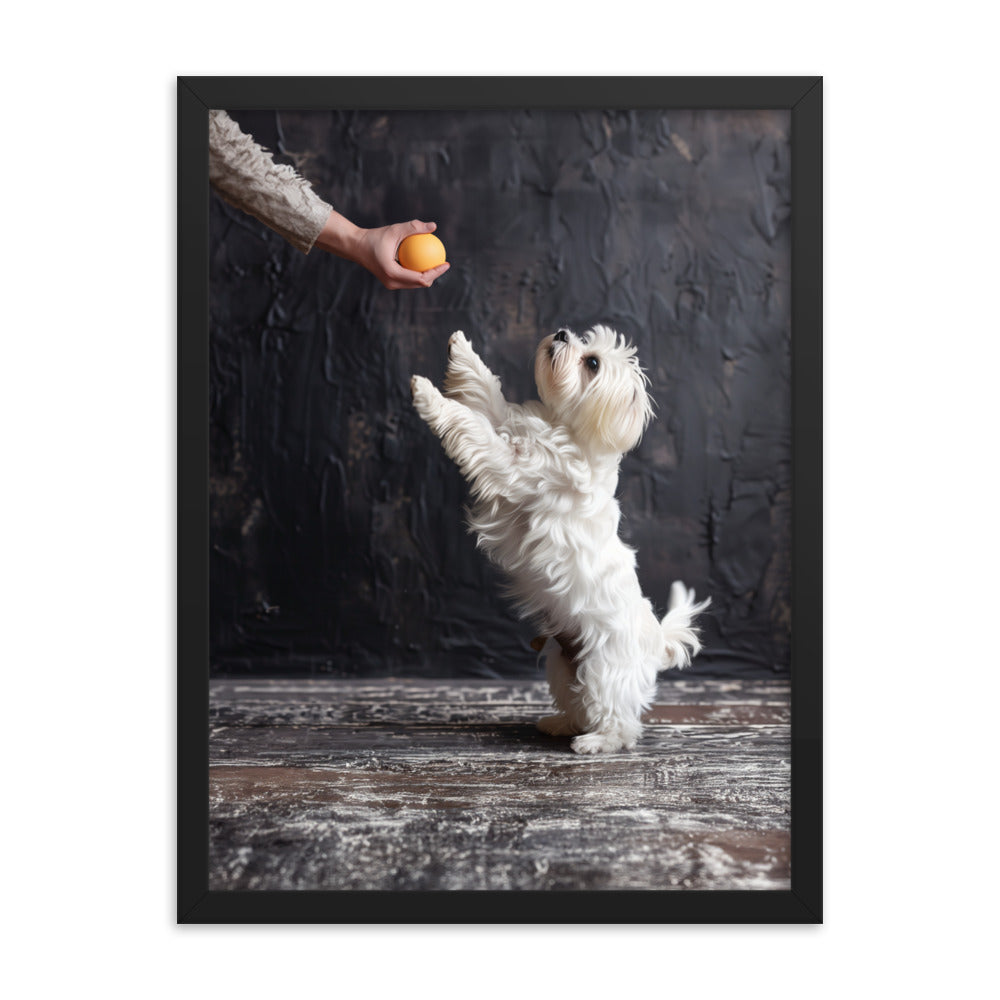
627 414
634 424
614 422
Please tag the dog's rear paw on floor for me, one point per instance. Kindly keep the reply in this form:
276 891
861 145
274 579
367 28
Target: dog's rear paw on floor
601 743
555 725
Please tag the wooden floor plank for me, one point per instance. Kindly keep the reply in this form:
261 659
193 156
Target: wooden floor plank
503 740
676 691
507 849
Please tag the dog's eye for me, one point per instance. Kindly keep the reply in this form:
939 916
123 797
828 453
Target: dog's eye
593 365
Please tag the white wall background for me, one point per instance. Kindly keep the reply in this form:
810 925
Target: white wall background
87 413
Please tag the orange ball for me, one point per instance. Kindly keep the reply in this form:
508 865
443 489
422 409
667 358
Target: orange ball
421 252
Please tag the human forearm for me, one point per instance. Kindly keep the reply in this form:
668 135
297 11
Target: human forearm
246 176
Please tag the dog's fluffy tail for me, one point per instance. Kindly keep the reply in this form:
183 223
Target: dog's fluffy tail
680 635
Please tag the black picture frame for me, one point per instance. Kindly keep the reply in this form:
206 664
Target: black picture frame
802 96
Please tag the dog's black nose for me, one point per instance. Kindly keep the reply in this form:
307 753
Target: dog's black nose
562 336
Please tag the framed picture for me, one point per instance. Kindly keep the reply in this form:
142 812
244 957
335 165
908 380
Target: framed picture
362 731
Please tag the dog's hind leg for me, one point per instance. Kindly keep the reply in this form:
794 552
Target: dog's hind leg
561 675
616 685
556 725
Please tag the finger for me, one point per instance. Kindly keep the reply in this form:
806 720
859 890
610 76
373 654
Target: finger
434 273
404 230
427 278
397 272
404 279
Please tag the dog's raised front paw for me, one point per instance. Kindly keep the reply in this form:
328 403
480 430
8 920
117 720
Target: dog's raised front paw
426 398
599 743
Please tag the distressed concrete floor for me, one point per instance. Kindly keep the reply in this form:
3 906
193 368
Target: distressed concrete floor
335 784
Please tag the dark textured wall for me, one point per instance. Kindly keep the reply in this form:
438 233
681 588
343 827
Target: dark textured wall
337 535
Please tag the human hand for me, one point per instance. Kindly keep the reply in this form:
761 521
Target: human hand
380 247
375 249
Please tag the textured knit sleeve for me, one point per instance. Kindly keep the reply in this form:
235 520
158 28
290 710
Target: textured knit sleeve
246 176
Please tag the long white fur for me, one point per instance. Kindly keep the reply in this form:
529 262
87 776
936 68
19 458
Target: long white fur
543 477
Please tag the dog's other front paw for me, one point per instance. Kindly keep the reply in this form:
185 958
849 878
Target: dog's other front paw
426 398
600 743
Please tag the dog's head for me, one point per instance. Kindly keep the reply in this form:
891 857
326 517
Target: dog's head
594 385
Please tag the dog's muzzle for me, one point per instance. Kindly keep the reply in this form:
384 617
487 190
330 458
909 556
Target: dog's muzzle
560 337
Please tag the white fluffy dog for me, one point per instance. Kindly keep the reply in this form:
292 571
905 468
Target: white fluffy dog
543 479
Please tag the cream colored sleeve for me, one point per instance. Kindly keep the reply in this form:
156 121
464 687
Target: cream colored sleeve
246 176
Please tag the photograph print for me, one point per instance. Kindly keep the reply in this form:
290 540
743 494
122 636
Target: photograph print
499 499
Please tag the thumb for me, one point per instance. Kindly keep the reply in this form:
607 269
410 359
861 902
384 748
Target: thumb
422 227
